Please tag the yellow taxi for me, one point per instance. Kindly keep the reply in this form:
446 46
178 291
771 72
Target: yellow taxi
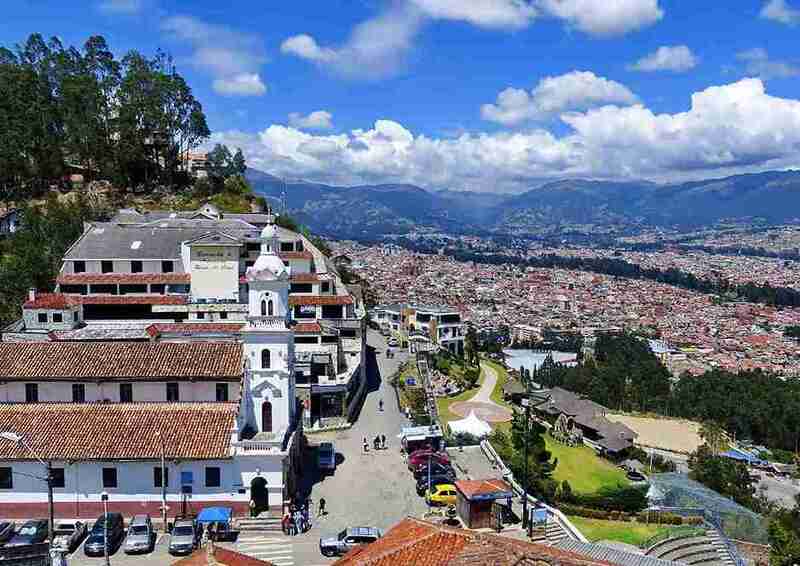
441 494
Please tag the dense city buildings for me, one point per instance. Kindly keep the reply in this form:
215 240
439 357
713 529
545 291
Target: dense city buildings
695 331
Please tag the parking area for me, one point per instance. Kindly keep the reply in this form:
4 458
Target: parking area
159 556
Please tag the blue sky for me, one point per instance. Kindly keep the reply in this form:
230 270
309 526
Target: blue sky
494 95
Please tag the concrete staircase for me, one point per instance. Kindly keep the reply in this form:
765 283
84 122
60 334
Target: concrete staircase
551 534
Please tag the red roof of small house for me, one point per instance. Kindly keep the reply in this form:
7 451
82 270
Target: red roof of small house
119 431
476 488
50 301
295 300
189 328
296 255
307 328
129 278
304 278
131 299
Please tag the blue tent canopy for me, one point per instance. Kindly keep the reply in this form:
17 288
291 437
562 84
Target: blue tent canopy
740 455
215 515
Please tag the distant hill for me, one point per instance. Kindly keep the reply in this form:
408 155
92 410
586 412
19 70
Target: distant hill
370 211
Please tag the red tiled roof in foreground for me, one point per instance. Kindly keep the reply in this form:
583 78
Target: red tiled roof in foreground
307 328
131 299
190 328
104 361
113 278
119 431
50 301
222 557
416 542
320 300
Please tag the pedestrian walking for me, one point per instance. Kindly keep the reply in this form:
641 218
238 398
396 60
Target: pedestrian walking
285 523
366 445
376 443
321 510
383 441
380 405
252 507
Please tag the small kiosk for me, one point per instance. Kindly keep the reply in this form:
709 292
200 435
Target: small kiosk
417 437
479 502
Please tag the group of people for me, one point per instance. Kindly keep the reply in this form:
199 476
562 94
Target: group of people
296 519
378 443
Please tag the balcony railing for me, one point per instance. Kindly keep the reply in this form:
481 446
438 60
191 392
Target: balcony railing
266 322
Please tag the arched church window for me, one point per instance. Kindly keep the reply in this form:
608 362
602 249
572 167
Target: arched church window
270 309
265 359
263 308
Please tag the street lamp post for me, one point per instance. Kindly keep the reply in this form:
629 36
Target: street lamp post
19 440
526 402
104 497
163 482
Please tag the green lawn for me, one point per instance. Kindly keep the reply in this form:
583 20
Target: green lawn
443 403
585 471
621 531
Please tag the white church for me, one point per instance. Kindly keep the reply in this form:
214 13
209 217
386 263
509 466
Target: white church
158 425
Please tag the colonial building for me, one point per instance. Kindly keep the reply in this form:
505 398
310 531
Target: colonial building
186 276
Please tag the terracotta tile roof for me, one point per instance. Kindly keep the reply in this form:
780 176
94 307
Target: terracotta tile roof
111 278
472 488
304 278
131 299
307 328
416 542
296 255
194 328
119 431
222 557
320 300
103 361
50 301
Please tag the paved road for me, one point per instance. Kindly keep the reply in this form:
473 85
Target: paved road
484 394
372 489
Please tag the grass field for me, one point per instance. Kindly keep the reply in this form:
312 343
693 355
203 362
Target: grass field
585 471
621 531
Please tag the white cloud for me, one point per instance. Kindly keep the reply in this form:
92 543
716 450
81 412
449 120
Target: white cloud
604 18
779 11
513 14
732 128
244 84
378 47
675 58
758 64
125 7
231 57
318 120
577 90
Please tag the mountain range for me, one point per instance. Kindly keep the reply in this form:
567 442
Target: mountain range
372 211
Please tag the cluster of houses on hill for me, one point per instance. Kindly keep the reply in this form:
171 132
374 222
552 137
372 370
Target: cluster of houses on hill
179 358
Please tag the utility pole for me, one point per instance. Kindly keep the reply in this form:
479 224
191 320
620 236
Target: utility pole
104 497
163 482
526 402
50 504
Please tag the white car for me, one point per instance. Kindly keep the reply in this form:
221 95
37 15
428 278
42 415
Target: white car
68 535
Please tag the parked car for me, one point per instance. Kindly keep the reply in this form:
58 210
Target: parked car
435 479
6 531
348 539
435 468
111 526
141 536
31 532
68 535
326 456
422 456
184 537
442 494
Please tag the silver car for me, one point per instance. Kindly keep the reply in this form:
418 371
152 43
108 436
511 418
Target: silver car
141 537
348 539
183 538
68 535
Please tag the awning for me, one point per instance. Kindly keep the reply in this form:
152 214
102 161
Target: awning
215 515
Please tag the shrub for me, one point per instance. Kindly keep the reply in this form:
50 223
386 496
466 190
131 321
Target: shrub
629 499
